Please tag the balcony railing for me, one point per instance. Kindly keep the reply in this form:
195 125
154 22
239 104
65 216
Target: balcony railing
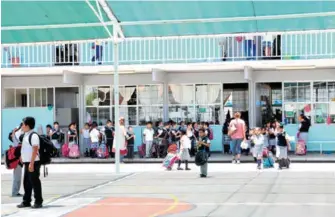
302 45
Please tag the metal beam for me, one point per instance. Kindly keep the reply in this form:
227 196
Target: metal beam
228 19
54 26
100 18
112 17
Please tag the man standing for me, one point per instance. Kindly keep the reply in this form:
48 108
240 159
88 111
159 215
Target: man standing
31 161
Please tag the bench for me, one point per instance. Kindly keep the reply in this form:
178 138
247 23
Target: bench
320 143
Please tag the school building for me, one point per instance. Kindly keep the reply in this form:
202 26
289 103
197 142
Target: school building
185 61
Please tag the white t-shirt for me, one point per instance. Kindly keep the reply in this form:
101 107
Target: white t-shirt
16 139
148 134
27 149
94 134
185 142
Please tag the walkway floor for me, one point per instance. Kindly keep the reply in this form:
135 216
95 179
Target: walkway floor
146 190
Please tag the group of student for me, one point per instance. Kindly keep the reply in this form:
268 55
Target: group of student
185 140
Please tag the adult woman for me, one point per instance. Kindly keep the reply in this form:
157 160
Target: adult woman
237 132
122 141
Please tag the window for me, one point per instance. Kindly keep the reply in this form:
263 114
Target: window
91 96
9 95
320 92
208 94
181 94
104 96
320 113
150 94
150 113
210 114
182 113
290 92
21 98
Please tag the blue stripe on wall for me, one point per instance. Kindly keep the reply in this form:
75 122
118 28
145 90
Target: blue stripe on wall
12 118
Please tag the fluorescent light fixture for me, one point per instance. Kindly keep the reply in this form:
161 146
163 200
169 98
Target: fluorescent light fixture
295 67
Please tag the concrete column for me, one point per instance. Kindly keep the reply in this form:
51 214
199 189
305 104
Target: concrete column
82 114
165 101
248 75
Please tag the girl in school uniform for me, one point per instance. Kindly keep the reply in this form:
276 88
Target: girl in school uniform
72 134
185 145
95 138
258 140
85 132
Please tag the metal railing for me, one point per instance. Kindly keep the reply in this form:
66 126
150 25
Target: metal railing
187 49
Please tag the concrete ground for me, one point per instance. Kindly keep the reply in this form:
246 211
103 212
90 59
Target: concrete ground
146 190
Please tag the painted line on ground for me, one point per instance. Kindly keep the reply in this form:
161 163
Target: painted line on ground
169 209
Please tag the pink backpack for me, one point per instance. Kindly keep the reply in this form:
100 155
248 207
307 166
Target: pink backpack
65 150
301 148
74 151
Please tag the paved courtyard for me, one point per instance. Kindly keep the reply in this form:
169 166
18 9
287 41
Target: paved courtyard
306 190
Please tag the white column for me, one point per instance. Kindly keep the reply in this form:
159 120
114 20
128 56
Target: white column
165 101
248 75
82 114
116 108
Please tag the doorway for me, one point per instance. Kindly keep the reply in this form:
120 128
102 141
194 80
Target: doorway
268 103
67 106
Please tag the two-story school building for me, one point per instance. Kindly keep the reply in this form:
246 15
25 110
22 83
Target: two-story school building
65 73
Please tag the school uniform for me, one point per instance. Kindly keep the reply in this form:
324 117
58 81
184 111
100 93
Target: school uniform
95 138
72 140
31 180
258 141
281 146
86 138
185 146
55 138
109 133
130 145
204 168
148 140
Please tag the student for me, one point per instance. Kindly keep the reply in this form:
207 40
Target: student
17 173
85 132
72 134
185 146
203 145
258 140
109 132
48 131
283 145
95 138
131 141
148 134
55 135
30 159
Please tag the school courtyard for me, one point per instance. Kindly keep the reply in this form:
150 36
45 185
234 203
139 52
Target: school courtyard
146 190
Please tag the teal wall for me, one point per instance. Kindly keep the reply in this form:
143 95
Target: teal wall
11 118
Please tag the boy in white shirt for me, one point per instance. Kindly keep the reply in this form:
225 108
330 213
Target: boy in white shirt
148 135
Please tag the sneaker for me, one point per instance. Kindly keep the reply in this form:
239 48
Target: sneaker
23 205
233 161
187 169
179 168
238 161
37 206
169 169
259 167
17 195
202 176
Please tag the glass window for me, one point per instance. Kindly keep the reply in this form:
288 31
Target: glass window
129 113
290 92
38 97
44 97
21 98
304 92
181 113
320 113
9 98
332 112
181 94
331 91
127 95
104 95
290 114
150 113
91 115
208 94
150 94
276 95
210 114
31 97
50 96
104 115
305 109
91 96
320 92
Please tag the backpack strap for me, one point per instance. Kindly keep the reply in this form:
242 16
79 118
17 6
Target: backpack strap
30 136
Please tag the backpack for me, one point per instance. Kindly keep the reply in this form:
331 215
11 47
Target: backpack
210 134
13 157
46 150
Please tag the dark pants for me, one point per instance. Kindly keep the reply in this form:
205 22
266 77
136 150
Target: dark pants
109 146
31 181
130 153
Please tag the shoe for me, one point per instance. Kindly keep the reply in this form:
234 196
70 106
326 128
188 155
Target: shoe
238 161
23 205
37 206
179 168
259 167
187 169
202 176
169 169
233 161
17 195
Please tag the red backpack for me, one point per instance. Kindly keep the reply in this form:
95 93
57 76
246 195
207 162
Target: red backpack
211 134
13 155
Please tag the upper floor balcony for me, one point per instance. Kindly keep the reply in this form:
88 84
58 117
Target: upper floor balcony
188 49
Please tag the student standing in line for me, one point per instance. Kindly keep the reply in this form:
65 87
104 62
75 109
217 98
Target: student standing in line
203 145
131 141
30 159
17 136
258 139
185 145
148 134
55 135
95 138
109 132
85 132
72 134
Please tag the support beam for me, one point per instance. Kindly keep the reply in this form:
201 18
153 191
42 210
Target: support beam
229 19
112 17
54 26
100 18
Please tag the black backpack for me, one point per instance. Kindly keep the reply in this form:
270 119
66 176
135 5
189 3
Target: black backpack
45 152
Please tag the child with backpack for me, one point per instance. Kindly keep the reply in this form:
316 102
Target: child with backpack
258 140
283 145
171 157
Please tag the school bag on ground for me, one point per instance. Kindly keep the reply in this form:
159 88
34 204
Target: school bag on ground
169 160
45 152
65 150
141 150
268 162
301 148
12 157
284 163
74 151
102 152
